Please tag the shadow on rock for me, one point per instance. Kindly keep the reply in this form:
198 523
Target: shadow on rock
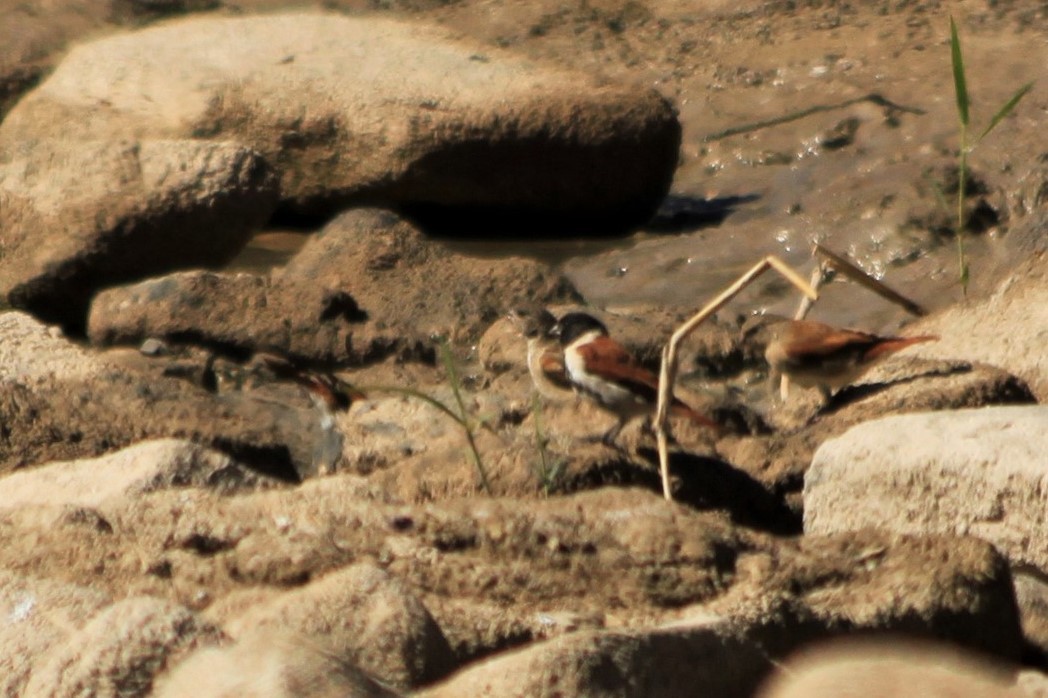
704 482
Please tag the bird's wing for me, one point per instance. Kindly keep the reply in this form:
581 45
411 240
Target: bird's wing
610 360
552 365
808 338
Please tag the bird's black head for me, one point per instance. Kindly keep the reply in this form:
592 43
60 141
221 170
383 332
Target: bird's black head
758 329
533 321
574 325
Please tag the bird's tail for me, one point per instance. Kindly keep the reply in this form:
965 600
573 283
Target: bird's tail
894 344
679 409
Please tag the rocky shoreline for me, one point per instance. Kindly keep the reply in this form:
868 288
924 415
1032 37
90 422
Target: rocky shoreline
179 518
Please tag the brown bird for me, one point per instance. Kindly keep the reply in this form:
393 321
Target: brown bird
329 395
603 370
545 356
328 392
813 354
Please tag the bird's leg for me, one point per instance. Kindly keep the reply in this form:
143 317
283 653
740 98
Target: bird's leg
776 384
611 434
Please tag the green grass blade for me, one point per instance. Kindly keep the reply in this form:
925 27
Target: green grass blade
960 85
449 365
1006 109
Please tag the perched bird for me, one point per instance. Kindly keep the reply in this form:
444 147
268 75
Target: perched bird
328 392
329 395
603 370
813 354
545 356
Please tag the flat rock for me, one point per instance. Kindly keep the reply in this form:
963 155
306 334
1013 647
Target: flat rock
120 651
78 217
143 467
363 616
368 286
420 122
976 472
889 669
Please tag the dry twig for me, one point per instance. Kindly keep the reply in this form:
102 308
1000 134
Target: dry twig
668 371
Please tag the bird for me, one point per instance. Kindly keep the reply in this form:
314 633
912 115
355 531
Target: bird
545 356
604 371
816 355
329 395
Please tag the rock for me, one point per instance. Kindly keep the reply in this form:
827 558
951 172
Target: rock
120 651
1032 684
38 614
144 467
780 460
1006 329
886 670
269 665
364 617
476 629
1031 596
60 402
618 552
361 290
32 352
870 582
33 41
644 662
430 124
501 572
80 217
976 472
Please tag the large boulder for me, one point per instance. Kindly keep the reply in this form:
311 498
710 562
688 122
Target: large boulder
976 472
365 110
78 217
